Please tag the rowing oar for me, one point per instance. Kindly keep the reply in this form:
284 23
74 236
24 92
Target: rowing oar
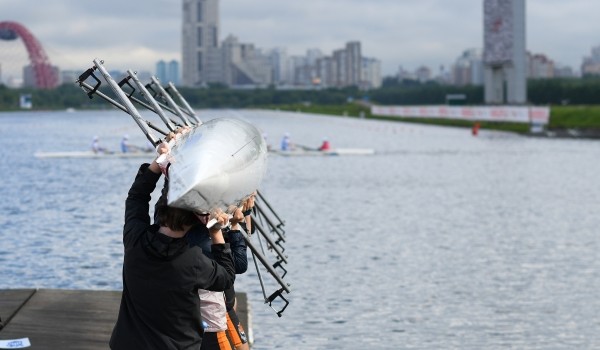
306 148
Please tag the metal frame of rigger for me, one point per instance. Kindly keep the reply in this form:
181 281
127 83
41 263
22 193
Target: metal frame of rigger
152 92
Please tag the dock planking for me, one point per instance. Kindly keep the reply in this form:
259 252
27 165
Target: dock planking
67 319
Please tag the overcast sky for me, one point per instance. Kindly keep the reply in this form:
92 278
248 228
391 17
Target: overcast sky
137 33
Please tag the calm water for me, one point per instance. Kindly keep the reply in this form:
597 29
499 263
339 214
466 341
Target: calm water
440 241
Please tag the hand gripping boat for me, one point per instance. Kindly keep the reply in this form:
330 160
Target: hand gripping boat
217 163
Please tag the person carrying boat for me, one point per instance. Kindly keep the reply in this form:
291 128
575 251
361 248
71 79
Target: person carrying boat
325 145
160 308
222 328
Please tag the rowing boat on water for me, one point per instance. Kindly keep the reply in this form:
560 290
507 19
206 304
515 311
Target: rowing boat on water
90 154
291 153
332 152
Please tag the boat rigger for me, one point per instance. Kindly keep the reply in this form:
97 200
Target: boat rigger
234 149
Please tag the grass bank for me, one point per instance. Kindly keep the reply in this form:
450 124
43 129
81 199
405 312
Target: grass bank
561 117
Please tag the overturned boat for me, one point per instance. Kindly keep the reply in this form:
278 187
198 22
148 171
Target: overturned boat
210 165
216 164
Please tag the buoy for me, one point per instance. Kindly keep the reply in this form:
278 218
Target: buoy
475 129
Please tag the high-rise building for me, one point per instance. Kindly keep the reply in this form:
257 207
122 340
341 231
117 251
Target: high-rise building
207 60
173 72
278 58
201 58
340 78
504 55
243 64
371 73
468 69
353 63
325 71
539 66
161 71
591 64
168 72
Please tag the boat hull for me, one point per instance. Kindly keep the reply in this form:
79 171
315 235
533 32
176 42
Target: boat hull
216 164
332 152
90 154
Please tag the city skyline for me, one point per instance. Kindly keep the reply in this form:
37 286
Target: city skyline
433 33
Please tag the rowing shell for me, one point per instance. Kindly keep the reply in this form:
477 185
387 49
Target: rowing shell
90 154
332 152
216 164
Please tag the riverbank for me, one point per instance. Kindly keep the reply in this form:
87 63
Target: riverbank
565 121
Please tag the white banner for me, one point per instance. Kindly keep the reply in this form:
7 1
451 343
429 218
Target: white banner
537 115
15 343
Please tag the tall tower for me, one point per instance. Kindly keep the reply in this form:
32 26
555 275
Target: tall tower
504 51
201 61
354 63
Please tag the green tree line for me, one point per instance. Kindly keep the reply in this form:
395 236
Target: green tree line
585 91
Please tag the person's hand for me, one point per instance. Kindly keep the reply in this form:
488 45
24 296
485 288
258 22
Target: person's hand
170 136
160 163
237 216
222 219
248 203
163 148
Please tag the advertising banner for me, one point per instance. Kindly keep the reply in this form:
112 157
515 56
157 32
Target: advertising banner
537 115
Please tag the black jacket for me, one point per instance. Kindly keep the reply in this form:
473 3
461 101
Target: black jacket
160 308
198 236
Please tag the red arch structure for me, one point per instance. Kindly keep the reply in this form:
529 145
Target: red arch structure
45 75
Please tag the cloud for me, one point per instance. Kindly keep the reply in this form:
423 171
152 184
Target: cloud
409 33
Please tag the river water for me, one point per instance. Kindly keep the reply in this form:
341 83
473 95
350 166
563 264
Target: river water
439 241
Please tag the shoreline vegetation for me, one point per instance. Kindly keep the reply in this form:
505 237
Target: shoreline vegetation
565 121
574 103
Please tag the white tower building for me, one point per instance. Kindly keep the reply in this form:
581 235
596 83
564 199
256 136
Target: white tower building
504 51
201 61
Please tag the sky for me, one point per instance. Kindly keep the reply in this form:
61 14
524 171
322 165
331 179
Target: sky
135 34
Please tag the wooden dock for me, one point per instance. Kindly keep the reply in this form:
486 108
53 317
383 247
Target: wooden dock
68 319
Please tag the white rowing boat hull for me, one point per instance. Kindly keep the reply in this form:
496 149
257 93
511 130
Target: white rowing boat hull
332 152
217 164
90 154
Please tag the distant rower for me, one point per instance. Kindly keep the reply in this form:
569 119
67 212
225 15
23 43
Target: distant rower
325 145
96 148
285 142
